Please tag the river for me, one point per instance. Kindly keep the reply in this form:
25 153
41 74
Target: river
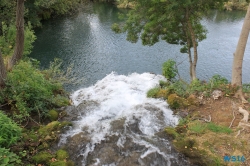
114 122
87 41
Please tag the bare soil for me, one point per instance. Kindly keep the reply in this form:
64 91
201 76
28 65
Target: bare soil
223 111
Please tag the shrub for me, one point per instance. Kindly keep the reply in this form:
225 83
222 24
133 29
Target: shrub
216 81
28 91
246 88
169 70
10 132
7 40
8 158
153 92
179 87
196 86
163 84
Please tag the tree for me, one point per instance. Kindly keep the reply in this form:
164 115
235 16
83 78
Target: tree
19 44
2 71
239 55
175 21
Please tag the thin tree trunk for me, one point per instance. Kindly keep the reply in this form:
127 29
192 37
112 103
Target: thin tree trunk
194 44
239 55
19 45
2 72
193 38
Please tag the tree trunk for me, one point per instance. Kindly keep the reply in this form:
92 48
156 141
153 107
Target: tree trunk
19 45
193 39
239 54
2 72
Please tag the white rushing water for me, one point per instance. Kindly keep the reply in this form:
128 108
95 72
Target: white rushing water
118 97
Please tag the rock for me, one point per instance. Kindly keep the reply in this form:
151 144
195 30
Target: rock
216 94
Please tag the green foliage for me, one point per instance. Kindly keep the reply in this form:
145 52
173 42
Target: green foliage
218 129
163 84
8 158
55 75
116 28
10 132
42 158
216 81
7 13
8 38
153 92
61 154
179 87
169 69
37 10
27 90
246 88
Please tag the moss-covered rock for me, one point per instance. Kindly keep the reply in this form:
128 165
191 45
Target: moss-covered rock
53 115
61 154
192 100
171 132
176 102
162 93
53 126
42 158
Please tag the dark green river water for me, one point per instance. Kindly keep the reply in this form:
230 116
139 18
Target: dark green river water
87 41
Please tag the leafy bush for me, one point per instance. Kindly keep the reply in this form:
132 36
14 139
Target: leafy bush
9 131
196 86
179 87
28 91
163 84
7 40
8 158
169 70
246 88
216 81
153 92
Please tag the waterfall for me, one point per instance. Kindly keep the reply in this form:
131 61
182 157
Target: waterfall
119 125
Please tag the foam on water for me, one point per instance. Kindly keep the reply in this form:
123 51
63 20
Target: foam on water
121 97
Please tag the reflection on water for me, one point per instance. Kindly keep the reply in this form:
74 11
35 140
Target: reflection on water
87 41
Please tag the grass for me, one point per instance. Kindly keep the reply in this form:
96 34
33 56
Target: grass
199 127
153 92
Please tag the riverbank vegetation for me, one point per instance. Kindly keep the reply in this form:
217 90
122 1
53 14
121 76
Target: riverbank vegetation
228 5
210 127
30 98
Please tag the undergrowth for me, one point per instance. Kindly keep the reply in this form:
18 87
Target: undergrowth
28 91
